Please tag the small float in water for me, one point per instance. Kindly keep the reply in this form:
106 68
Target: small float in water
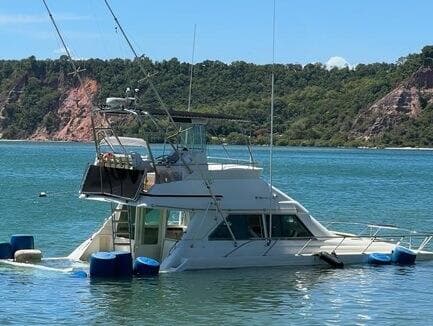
20 252
400 256
21 248
378 258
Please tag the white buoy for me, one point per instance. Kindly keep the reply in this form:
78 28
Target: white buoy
28 255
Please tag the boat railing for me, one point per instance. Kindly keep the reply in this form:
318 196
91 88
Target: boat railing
370 229
216 160
314 245
414 241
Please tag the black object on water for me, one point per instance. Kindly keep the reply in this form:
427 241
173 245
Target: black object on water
331 259
42 194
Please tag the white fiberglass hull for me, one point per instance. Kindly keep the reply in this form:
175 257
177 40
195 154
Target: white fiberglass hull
205 255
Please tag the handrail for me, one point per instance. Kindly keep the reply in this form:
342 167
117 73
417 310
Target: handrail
422 245
372 226
231 159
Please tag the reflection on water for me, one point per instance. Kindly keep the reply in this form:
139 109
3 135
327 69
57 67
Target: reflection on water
305 296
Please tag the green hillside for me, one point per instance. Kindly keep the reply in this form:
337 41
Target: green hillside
314 106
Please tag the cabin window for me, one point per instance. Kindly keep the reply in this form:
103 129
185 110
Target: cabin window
287 226
176 221
176 218
244 227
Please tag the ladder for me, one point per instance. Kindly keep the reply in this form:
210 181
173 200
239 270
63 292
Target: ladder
122 227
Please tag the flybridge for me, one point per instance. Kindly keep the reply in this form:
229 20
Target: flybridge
128 105
119 171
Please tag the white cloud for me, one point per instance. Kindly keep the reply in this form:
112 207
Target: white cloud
10 19
61 50
337 62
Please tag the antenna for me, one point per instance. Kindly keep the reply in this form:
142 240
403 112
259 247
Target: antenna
191 69
271 136
143 70
76 70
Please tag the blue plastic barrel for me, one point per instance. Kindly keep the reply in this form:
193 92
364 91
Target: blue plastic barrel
6 250
22 241
378 258
102 264
145 266
403 256
123 263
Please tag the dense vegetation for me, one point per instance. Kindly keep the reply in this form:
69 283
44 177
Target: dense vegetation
313 105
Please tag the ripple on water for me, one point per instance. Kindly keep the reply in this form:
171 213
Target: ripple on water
334 184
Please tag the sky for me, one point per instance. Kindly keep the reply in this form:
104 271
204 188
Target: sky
334 31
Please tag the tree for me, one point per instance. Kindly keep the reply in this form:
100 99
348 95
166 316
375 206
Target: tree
427 56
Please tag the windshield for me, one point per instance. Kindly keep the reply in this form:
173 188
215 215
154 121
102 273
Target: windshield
193 137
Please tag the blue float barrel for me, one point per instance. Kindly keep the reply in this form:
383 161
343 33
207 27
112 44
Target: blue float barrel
144 266
403 256
103 264
123 263
6 251
377 258
21 242
78 274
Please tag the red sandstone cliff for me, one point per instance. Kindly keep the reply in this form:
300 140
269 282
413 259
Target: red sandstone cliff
74 115
405 101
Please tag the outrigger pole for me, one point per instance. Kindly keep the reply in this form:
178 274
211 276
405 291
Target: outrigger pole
143 70
191 69
76 73
271 136
76 69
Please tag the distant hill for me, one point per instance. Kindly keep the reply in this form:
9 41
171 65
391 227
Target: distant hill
400 113
376 104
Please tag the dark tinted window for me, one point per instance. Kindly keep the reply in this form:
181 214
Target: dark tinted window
244 227
287 226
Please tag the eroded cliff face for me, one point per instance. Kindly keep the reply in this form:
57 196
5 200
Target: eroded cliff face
73 115
405 101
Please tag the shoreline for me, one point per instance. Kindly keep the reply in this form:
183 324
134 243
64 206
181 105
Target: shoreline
404 148
44 141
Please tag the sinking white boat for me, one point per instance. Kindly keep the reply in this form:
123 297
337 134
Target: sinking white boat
189 211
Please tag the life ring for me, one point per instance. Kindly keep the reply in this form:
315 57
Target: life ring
107 156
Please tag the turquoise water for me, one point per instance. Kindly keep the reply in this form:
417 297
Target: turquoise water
378 186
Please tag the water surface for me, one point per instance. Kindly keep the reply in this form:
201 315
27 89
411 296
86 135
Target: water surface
377 186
